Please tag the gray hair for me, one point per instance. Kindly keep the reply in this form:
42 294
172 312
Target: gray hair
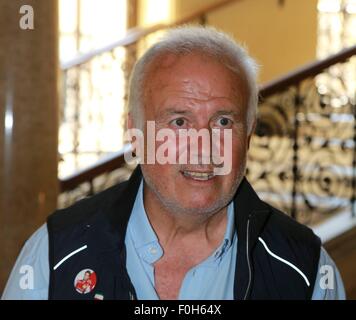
187 39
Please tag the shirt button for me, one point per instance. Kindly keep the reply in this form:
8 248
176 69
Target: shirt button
153 250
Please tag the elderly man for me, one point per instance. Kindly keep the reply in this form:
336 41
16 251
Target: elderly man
179 230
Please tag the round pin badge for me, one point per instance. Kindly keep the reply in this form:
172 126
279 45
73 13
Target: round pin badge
85 281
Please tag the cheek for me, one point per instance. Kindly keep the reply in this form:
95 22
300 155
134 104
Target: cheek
239 154
160 175
239 148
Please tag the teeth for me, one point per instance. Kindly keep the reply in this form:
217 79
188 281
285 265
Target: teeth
198 175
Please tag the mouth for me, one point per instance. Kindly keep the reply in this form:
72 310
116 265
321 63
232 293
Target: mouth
197 175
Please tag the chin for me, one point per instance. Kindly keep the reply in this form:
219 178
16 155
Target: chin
201 205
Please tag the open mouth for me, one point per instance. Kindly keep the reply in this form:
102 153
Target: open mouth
199 176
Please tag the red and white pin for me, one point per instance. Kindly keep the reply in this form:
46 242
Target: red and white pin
85 281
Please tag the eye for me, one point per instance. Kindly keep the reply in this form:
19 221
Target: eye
179 122
223 122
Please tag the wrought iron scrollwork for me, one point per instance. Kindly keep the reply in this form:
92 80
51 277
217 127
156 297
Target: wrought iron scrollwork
302 155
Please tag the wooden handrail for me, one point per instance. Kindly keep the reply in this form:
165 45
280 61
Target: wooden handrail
107 164
117 160
133 35
199 13
306 71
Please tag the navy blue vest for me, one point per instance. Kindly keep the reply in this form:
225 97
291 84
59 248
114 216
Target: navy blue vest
90 235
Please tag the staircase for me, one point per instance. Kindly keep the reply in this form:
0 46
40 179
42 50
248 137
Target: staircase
302 157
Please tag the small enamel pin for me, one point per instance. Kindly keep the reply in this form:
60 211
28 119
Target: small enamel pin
85 281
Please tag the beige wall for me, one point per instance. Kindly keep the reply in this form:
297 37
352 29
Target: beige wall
281 38
186 7
155 11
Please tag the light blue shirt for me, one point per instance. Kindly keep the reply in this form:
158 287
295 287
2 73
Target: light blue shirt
211 279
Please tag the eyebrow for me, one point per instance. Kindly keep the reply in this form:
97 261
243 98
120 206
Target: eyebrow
171 111
225 112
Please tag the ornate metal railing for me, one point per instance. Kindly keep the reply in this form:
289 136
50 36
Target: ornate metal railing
302 157
94 94
103 174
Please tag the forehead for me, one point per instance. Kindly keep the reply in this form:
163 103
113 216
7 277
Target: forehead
195 73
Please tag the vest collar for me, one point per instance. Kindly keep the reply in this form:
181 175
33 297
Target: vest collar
249 210
251 215
247 206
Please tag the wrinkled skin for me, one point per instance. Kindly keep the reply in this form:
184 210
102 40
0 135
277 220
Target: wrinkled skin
194 91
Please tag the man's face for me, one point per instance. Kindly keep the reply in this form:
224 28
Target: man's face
195 92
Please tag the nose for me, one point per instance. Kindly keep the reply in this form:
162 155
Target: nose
199 146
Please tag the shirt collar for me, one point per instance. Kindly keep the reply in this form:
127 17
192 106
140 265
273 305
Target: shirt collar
141 227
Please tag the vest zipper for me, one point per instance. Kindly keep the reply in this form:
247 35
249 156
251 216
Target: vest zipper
132 297
131 289
248 260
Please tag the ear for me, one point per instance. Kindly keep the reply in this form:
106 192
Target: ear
130 125
251 133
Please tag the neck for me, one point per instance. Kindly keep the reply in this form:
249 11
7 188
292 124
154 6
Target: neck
174 227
